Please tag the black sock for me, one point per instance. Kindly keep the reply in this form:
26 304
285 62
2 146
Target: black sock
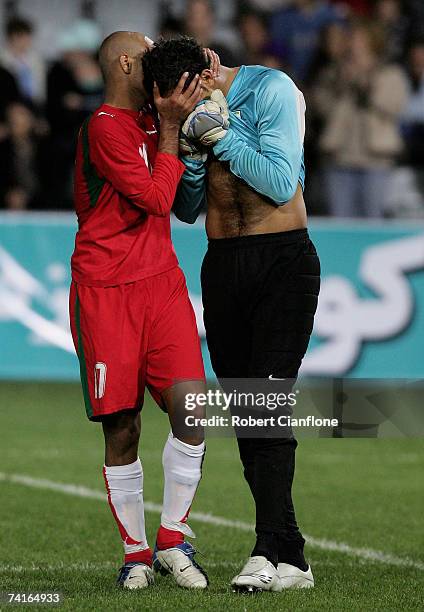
266 546
291 552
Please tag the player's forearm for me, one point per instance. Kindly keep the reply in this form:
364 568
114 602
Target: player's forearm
128 171
157 195
169 136
167 172
276 179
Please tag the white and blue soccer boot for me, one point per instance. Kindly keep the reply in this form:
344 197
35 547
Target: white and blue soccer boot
179 562
257 575
135 576
294 578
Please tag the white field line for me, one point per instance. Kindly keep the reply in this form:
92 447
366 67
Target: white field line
86 566
365 554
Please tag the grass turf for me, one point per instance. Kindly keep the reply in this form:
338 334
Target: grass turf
366 493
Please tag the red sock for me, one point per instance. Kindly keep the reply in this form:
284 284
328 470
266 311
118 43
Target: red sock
142 556
168 538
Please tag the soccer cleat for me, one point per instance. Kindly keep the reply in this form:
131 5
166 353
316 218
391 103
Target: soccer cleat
257 575
135 576
293 578
179 562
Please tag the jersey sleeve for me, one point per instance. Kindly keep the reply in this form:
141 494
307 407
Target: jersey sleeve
274 170
119 161
191 193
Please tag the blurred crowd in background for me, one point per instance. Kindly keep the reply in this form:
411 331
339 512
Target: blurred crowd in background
360 64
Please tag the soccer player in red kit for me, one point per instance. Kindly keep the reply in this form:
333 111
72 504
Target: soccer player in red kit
132 322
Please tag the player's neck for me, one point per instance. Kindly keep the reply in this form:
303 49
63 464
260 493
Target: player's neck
226 78
128 100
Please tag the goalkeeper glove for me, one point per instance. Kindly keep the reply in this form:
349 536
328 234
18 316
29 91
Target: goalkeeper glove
209 122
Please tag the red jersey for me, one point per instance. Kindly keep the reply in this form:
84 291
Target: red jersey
124 190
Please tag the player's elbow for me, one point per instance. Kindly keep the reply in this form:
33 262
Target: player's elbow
186 217
280 183
283 191
158 209
283 194
187 213
190 219
154 203
153 208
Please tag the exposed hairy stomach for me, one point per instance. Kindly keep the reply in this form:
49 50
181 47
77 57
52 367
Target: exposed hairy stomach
235 209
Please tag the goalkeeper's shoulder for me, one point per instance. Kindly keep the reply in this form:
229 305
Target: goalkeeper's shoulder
275 86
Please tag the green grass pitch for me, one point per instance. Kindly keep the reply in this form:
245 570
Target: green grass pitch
364 493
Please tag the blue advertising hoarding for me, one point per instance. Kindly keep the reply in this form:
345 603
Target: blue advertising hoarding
370 319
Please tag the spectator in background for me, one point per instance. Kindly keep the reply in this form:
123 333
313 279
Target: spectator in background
395 24
326 75
415 8
265 5
355 8
413 116
21 159
321 87
74 90
20 59
253 27
361 135
199 22
8 93
296 30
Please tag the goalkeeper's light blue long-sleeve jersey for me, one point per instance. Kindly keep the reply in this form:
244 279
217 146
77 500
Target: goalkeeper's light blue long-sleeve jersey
264 144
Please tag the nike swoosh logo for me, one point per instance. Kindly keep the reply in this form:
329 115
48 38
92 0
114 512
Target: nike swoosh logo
151 131
103 113
271 377
183 569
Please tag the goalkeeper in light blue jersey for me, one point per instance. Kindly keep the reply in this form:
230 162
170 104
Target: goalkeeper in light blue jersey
263 145
243 151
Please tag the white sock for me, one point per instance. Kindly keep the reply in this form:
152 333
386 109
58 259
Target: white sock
182 466
124 485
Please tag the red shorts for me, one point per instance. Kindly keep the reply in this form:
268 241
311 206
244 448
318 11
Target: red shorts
133 335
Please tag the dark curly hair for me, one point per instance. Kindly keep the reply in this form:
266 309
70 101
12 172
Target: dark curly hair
169 59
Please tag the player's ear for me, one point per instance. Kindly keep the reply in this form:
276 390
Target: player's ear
125 63
207 75
208 82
